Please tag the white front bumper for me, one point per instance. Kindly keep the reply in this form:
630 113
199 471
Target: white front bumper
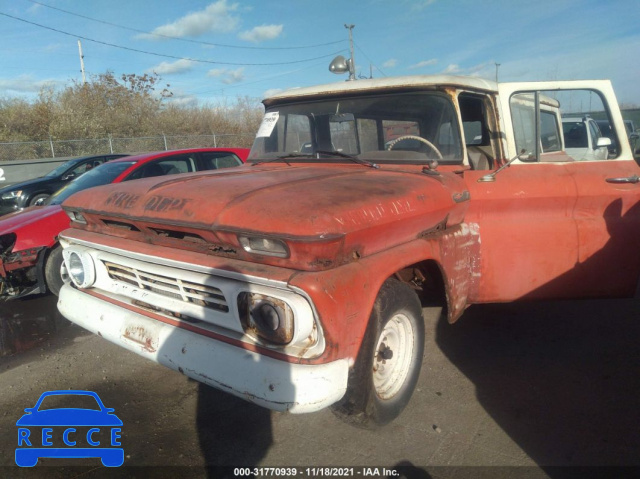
265 381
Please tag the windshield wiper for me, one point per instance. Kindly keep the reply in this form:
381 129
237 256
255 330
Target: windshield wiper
355 159
283 158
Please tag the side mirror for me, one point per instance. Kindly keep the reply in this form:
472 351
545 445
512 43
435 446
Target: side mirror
603 141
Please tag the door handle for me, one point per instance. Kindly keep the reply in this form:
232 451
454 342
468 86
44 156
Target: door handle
627 179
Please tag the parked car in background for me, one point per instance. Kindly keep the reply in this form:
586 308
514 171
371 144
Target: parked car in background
628 124
607 131
30 258
583 140
18 196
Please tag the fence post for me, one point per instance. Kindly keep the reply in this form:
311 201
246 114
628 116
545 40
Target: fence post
165 142
110 144
53 153
215 142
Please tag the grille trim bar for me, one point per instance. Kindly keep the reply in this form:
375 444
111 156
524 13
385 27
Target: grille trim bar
175 288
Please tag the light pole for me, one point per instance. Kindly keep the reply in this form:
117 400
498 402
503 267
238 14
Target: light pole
352 62
497 66
341 64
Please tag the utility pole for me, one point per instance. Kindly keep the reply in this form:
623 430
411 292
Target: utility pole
497 66
84 80
352 63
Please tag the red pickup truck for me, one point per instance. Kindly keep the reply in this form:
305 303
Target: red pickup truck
298 280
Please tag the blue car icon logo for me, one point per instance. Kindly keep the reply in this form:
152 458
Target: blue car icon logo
89 430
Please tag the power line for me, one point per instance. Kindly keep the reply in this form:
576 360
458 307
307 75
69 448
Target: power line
244 84
183 39
367 57
163 55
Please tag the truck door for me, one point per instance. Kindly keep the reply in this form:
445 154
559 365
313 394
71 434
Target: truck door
551 226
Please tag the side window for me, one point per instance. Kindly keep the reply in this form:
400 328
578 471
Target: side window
575 133
85 166
477 126
166 166
523 116
222 159
549 132
566 129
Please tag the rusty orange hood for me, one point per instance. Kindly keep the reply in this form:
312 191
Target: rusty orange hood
373 208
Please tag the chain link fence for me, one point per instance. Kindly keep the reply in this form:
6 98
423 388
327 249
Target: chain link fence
65 148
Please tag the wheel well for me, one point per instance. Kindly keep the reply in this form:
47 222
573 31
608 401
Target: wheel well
427 280
33 195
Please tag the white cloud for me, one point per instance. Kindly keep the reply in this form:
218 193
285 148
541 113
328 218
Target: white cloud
453 68
168 68
54 47
25 84
228 77
421 4
271 92
184 101
424 63
217 17
392 62
261 33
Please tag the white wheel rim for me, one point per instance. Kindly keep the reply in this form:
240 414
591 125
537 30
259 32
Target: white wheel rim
392 356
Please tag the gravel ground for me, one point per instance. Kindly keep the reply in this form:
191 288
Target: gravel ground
527 389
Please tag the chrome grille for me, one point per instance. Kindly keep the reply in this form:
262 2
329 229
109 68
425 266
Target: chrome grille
187 291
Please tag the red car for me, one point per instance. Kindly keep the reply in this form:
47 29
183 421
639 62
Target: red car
30 257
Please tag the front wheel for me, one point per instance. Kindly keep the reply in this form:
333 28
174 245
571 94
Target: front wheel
39 197
388 365
55 273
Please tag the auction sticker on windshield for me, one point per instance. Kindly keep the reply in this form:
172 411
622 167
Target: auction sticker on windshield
69 424
268 124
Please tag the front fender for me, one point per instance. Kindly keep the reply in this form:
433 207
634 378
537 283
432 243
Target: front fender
344 296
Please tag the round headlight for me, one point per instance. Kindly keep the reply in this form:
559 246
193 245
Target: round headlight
266 317
80 268
269 318
76 268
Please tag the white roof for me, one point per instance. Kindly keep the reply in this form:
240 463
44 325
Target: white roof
376 84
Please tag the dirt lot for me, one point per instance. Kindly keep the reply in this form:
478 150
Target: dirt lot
523 388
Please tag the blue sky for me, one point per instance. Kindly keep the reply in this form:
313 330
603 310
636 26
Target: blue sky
223 49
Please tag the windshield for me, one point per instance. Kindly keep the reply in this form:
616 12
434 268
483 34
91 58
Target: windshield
101 175
61 169
391 128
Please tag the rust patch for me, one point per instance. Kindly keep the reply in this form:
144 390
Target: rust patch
322 263
139 335
462 196
434 229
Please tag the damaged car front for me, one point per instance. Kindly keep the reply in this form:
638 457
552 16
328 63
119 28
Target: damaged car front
25 247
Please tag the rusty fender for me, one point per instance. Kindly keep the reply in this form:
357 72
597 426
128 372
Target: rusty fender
344 296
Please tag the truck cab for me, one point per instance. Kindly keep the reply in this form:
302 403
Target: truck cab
299 280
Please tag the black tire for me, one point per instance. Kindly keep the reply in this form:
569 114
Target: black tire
40 196
388 364
52 273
